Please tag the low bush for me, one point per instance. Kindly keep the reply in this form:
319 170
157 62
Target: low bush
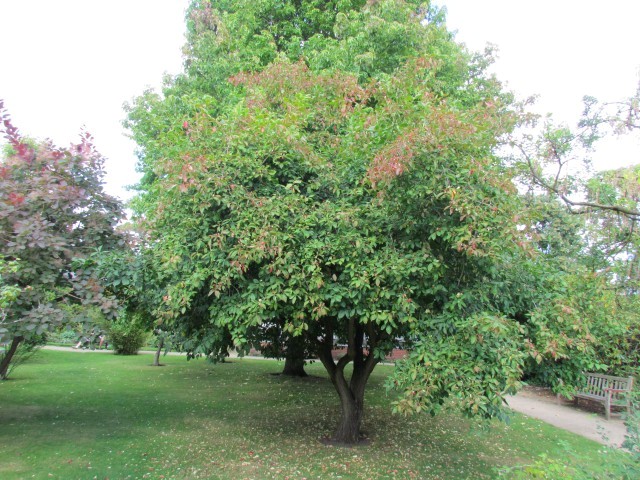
66 337
126 336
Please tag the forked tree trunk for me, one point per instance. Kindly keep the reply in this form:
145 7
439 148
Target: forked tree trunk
349 428
6 360
294 358
156 358
351 393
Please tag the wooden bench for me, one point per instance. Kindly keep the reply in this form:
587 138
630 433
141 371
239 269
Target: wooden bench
608 390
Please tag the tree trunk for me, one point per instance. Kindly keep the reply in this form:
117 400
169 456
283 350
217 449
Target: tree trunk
294 366
294 358
351 393
156 358
349 431
6 360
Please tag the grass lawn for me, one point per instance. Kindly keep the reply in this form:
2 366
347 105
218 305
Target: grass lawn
90 415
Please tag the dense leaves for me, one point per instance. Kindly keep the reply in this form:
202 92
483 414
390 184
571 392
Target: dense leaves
127 335
52 210
326 172
347 192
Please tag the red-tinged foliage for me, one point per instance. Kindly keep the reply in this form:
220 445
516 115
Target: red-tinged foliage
53 211
324 208
333 180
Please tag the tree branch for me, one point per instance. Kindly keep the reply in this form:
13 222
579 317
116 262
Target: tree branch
633 214
554 189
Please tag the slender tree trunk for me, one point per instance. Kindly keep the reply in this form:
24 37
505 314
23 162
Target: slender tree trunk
294 358
352 408
351 393
6 361
156 358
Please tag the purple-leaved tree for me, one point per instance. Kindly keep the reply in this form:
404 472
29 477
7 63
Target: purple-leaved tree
53 210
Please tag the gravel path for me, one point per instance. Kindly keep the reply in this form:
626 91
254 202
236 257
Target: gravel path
541 404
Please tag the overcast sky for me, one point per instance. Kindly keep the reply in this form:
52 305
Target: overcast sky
65 64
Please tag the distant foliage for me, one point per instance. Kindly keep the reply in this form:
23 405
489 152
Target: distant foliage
127 336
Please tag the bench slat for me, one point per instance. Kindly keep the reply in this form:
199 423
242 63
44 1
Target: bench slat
599 388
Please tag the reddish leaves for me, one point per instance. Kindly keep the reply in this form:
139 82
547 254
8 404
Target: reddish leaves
340 93
52 210
15 199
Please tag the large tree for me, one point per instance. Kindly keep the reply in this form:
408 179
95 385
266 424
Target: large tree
53 209
340 185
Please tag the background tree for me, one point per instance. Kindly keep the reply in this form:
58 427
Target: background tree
556 161
273 342
568 298
605 208
613 236
557 158
137 279
52 210
125 274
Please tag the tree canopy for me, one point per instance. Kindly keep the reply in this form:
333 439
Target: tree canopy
329 170
53 209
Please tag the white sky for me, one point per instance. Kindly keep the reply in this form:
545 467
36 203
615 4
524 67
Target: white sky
65 64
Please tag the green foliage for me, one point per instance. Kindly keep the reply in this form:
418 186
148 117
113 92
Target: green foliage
285 197
558 233
127 335
66 336
632 421
471 362
614 239
327 171
603 303
577 296
582 310
8 293
543 468
575 467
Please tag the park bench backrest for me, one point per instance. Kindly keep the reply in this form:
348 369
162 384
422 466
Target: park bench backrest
598 384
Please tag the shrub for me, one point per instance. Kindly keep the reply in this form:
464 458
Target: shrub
68 336
127 336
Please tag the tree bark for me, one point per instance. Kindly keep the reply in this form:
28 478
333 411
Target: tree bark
294 366
156 358
351 393
349 431
6 361
294 358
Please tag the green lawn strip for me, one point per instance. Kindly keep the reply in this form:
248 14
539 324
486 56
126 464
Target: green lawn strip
85 415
